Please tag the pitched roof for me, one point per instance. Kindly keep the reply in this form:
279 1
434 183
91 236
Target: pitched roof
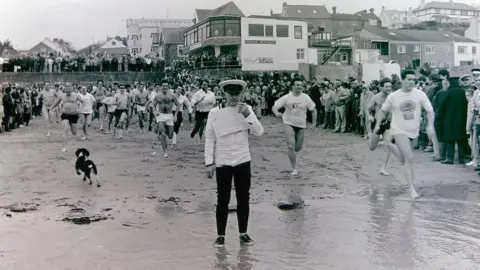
417 35
395 16
172 35
229 8
447 5
202 14
346 17
306 12
366 16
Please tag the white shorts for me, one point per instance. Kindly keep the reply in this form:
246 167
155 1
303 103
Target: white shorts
140 108
167 118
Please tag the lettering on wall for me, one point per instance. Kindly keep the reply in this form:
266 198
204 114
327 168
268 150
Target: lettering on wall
260 42
258 60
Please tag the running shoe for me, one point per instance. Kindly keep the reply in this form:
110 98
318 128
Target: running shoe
246 240
220 242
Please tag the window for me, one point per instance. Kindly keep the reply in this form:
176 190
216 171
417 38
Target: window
282 31
462 49
447 48
354 23
365 45
134 51
232 28
256 30
344 57
268 30
297 30
314 11
134 37
446 65
416 48
140 36
405 64
310 28
466 63
154 49
429 49
300 54
474 50
217 28
115 43
401 49
155 38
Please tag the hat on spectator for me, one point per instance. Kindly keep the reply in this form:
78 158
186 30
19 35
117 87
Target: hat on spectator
466 76
435 77
476 71
234 87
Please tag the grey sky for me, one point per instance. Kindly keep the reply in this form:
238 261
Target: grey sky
27 22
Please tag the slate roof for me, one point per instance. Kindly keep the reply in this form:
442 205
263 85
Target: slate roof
306 12
447 5
346 17
417 35
229 8
366 16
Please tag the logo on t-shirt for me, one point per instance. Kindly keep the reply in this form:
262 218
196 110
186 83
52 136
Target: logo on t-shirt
407 108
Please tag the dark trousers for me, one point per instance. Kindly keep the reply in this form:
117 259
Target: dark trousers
6 120
443 150
460 150
26 118
329 120
241 176
176 126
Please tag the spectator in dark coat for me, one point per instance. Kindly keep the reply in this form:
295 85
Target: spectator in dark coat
453 114
437 100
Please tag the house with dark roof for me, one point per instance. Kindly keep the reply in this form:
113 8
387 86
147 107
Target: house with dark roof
56 47
441 49
370 18
445 12
317 17
344 24
396 19
215 31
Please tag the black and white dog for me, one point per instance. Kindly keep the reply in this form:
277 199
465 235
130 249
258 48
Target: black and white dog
83 164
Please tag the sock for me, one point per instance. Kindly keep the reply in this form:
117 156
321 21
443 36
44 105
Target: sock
221 236
243 234
174 138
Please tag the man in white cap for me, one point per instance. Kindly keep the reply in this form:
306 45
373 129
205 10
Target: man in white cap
227 153
476 73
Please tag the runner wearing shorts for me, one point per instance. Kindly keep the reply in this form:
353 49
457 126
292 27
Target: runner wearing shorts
49 96
86 111
69 112
296 104
405 105
141 99
178 112
122 101
375 108
163 105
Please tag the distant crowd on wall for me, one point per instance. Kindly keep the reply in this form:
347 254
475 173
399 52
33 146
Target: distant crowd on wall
206 62
97 62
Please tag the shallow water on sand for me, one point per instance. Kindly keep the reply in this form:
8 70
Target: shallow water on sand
354 218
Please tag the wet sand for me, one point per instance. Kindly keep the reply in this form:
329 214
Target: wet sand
355 218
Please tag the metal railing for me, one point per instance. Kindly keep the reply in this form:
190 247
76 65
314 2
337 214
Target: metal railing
228 64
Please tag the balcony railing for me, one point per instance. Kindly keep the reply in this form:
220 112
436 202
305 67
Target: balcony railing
228 64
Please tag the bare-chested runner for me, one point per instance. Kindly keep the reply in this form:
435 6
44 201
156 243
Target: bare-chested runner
375 108
69 112
163 106
100 94
49 96
141 99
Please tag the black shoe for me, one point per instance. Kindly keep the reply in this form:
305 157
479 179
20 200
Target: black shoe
246 240
220 242
447 162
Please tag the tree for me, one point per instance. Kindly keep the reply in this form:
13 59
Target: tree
6 44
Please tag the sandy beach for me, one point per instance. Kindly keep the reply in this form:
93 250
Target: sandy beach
159 213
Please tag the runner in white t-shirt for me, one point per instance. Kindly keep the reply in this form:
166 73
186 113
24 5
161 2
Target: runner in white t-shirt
405 106
86 111
296 104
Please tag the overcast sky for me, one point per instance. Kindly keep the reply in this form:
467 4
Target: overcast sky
27 22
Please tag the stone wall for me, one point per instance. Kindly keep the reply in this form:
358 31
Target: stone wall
331 72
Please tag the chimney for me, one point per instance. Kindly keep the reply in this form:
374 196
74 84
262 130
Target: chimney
409 9
284 4
271 12
60 41
372 10
55 40
383 8
334 10
364 11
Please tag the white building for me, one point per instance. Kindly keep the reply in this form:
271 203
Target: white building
445 12
114 46
466 53
143 35
473 31
273 44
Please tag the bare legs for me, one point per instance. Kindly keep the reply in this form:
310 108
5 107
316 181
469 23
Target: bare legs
294 144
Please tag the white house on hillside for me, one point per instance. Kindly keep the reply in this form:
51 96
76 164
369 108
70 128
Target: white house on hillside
473 31
114 47
55 46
